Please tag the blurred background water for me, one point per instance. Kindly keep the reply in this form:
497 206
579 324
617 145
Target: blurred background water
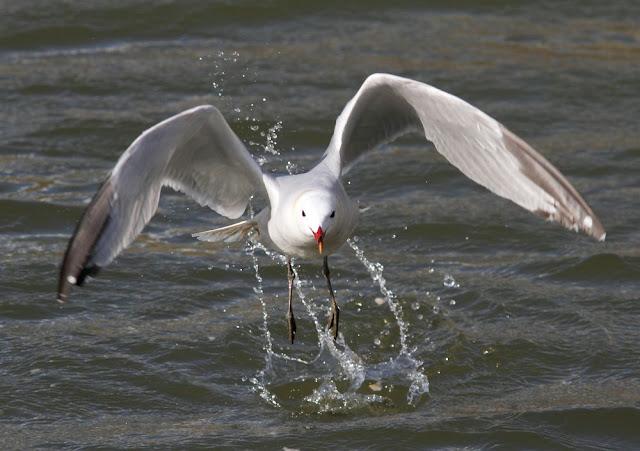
466 322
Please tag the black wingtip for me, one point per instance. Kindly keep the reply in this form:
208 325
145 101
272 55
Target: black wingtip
88 271
76 264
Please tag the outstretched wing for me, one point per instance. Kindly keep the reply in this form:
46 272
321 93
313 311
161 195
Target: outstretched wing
194 152
387 106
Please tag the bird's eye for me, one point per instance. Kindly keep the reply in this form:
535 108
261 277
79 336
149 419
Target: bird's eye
303 213
333 214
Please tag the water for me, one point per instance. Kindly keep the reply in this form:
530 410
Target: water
465 321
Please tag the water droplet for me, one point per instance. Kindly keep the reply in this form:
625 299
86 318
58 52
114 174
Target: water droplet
292 168
450 282
415 306
452 302
379 301
254 128
377 342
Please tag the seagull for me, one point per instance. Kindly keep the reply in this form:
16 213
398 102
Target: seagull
309 215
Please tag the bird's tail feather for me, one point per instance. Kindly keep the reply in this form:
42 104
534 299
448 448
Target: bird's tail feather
229 234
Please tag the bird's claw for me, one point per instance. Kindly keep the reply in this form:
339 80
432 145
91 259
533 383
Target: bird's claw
333 321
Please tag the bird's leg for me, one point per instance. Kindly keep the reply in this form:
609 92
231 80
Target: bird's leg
334 317
292 322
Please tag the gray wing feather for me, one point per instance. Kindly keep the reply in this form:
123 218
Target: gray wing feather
388 106
195 152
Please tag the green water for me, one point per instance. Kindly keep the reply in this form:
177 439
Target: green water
483 327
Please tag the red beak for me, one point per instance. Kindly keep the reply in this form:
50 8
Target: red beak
319 236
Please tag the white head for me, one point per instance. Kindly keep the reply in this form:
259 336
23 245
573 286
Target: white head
316 214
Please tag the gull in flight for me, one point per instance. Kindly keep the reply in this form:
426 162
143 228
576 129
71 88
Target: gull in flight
309 215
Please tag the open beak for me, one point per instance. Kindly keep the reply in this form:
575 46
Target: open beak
319 237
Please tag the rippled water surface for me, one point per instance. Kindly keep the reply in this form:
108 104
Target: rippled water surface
466 322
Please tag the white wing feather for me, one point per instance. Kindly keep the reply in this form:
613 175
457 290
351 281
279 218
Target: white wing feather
388 106
194 152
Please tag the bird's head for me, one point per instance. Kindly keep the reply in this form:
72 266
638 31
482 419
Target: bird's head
316 214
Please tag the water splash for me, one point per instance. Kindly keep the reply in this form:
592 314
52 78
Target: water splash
328 399
221 62
375 271
269 149
405 361
259 379
272 136
335 358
